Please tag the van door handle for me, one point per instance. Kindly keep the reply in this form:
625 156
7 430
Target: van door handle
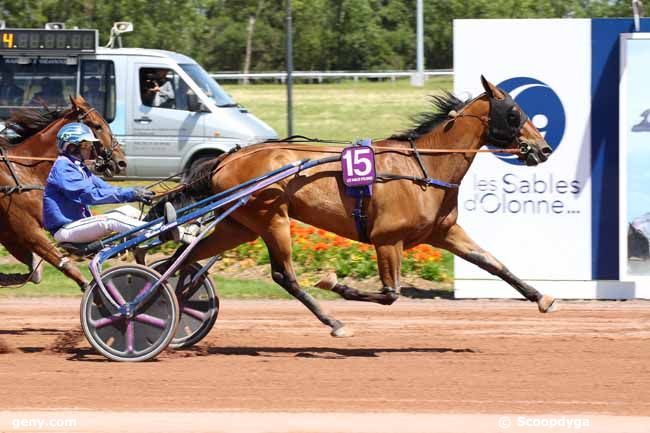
144 119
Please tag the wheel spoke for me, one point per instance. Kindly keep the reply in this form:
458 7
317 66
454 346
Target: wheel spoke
151 320
130 336
146 287
117 297
194 313
180 282
105 321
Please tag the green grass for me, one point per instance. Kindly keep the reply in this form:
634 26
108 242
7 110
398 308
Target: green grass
249 289
341 111
55 284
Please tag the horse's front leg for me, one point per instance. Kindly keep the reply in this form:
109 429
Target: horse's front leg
389 262
460 244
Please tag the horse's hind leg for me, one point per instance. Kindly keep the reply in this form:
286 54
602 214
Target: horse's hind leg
18 249
41 245
459 243
389 261
228 234
278 242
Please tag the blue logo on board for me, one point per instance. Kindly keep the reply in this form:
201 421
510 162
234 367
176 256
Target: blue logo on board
543 107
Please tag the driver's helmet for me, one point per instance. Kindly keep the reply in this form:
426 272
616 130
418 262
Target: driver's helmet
75 134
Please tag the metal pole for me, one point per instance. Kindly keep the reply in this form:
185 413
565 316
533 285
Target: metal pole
289 41
637 10
418 78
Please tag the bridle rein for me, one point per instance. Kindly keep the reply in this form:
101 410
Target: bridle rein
102 163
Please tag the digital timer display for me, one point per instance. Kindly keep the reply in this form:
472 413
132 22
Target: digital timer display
14 40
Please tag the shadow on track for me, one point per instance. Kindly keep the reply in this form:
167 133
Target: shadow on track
87 354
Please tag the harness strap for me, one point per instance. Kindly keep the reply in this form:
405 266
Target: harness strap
263 147
418 157
361 219
19 187
424 181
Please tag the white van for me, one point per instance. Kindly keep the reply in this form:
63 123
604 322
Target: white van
162 106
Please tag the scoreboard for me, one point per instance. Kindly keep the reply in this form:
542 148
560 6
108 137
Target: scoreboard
37 40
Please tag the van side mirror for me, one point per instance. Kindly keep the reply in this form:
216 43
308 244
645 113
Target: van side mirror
194 103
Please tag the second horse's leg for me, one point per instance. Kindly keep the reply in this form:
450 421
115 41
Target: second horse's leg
389 261
42 246
25 255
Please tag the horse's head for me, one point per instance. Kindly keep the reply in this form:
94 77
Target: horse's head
510 128
109 156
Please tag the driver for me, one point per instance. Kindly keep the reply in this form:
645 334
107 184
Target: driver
71 188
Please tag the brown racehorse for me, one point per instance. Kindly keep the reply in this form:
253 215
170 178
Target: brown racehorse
31 160
402 212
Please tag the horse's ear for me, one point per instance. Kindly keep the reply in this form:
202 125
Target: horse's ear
491 90
489 87
74 103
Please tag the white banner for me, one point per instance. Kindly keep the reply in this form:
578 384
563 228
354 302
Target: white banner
634 162
536 220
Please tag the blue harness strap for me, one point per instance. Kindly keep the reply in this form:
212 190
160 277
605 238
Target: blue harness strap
359 193
441 183
360 218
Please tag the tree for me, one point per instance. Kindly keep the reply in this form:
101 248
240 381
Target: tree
328 34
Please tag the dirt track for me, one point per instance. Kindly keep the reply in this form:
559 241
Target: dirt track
416 356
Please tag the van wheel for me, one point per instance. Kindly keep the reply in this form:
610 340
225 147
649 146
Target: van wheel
194 165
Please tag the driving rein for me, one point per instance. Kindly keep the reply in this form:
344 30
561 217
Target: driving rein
103 158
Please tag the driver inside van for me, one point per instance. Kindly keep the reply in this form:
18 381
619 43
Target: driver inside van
156 89
10 93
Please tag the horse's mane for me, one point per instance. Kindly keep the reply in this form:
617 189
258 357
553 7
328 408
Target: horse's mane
197 185
425 122
26 122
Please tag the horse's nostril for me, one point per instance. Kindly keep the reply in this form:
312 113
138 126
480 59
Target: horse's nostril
547 150
121 164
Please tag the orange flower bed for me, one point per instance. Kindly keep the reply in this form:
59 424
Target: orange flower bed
315 250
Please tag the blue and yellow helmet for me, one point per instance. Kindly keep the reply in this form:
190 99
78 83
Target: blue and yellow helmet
75 134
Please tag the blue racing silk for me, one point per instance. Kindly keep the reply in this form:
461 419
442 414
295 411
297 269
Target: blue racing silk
70 188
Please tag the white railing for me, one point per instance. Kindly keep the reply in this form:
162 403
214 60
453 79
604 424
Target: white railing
321 75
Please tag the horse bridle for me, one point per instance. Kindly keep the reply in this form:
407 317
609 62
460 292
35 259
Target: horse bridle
505 122
103 156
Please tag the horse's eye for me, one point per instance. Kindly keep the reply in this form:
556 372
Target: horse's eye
514 118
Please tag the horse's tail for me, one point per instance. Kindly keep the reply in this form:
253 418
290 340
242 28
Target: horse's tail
194 187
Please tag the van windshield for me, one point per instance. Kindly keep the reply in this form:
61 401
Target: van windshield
208 85
34 82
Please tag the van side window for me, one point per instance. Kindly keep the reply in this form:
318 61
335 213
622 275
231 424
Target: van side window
163 88
98 86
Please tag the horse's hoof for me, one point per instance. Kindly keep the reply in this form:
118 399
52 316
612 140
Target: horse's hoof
547 304
327 282
341 332
37 275
390 296
139 255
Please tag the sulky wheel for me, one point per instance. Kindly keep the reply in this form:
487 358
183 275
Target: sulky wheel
199 307
141 337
